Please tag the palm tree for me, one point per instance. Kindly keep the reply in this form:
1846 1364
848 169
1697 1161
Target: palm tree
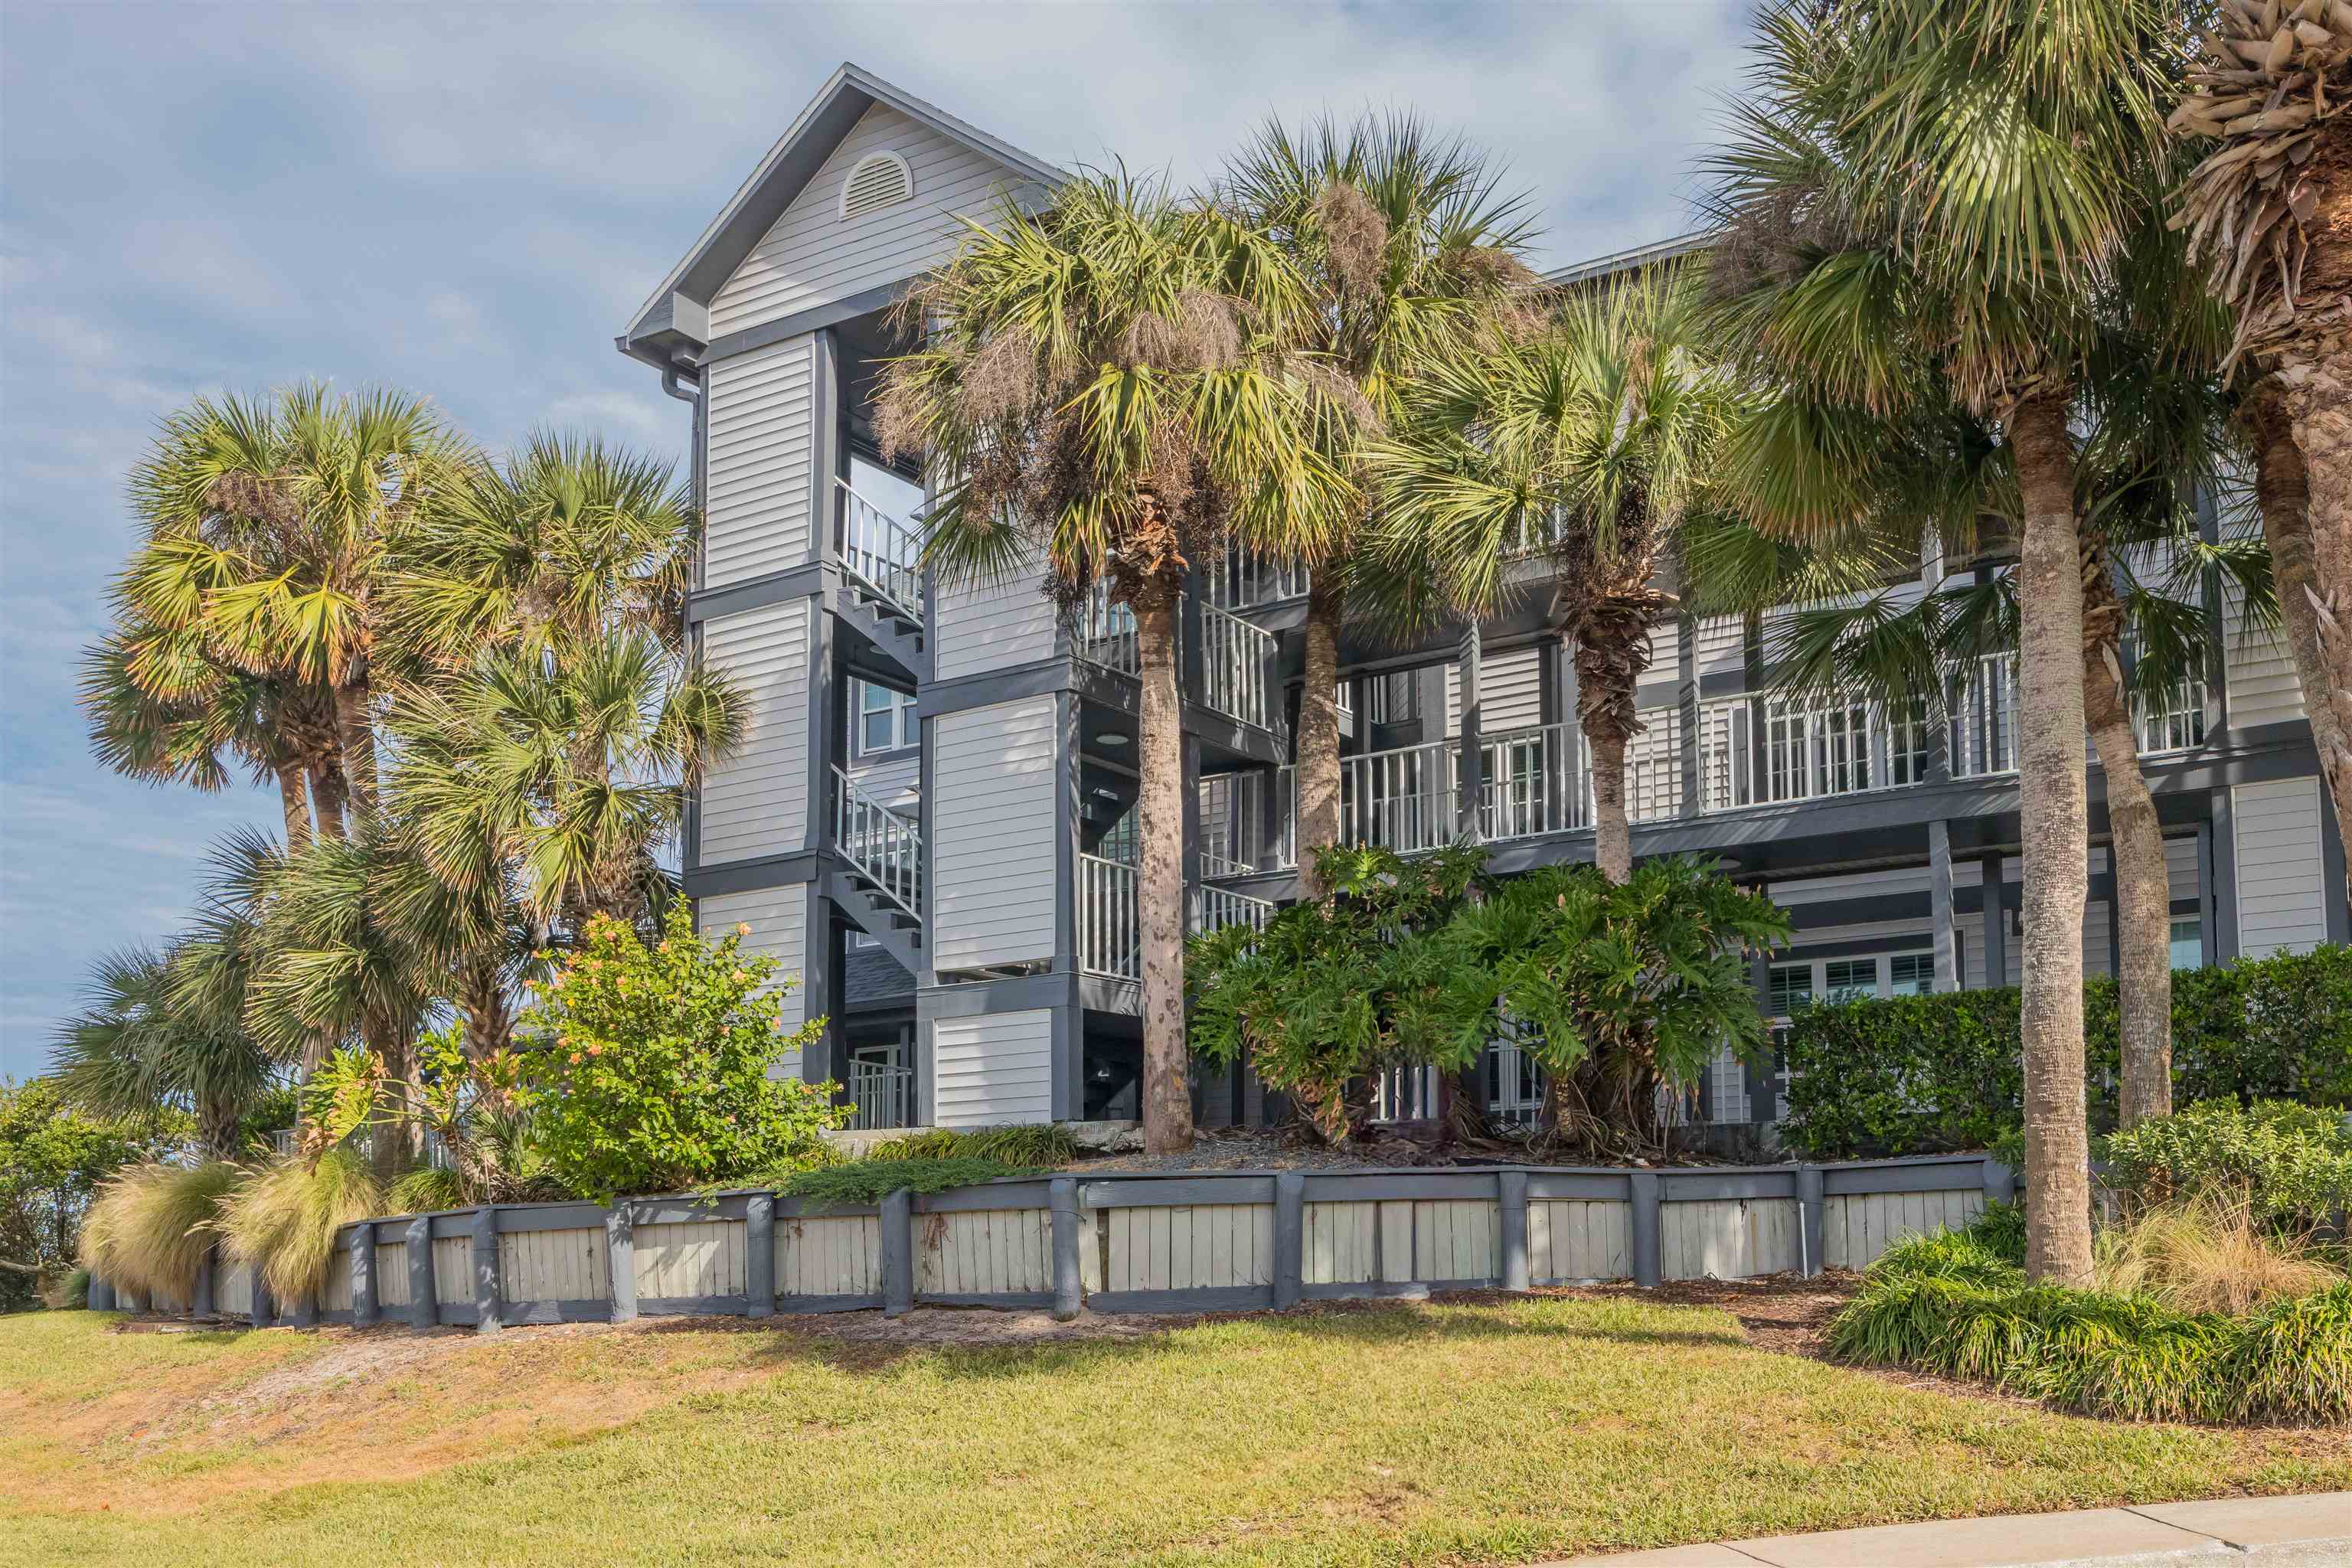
2270 96
1921 204
267 527
553 546
1587 443
1105 385
1407 249
138 1049
559 775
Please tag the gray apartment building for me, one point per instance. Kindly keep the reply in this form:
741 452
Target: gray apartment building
930 822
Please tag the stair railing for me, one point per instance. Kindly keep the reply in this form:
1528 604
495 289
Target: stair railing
885 848
881 554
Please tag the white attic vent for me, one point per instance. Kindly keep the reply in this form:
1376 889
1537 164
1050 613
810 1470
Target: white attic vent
879 180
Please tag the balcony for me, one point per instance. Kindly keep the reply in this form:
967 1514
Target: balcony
880 1096
1109 925
1237 659
881 554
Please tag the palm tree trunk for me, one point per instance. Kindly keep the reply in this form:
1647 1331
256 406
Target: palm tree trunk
356 724
2053 812
294 802
1319 731
489 1020
327 799
1160 892
2143 901
2322 661
1612 830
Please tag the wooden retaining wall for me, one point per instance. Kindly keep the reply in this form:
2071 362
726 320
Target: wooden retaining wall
1125 1243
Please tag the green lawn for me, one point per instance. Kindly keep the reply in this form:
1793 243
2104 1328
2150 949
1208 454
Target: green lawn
1463 1433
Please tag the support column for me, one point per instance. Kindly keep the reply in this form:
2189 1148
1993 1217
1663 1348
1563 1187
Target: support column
820 987
2224 895
1995 925
1686 708
1470 767
1939 904
1068 1060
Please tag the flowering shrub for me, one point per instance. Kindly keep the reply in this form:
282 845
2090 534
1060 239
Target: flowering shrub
652 1072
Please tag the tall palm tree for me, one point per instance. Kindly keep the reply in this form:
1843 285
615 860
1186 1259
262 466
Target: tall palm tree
554 545
1921 204
2265 211
139 1048
1587 443
267 526
1407 248
1105 385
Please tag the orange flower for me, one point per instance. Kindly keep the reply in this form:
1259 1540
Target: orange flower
743 928
576 1058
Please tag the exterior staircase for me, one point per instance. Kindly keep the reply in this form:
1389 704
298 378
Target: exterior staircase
881 595
877 877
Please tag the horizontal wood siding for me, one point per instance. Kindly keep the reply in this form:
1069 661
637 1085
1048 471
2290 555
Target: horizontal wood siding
984 1252
453 1270
995 623
813 256
993 856
761 433
555 1265
778 918
1578 1239
839 1256
1722 646
392 1274
1856 1228
1189 1248
2263 688
2282 877
993 1069
701 1258
1734 1239
756 802
1510 693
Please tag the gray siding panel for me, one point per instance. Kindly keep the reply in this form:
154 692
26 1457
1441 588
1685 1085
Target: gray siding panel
778 918
998 624
756 803
762 427
993 856
1510 693
2281 879
2262 685
993 1069
813 258
1722 646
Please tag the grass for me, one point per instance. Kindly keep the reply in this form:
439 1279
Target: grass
149 1226
1461 1433
2208 1254
285 1215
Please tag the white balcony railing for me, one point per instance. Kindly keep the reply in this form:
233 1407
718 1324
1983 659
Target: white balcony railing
1982 699
880 1096
1242 581
1237 660
1106 632
1109 930
1404 799
2175 724
885 848
1214 909
882 554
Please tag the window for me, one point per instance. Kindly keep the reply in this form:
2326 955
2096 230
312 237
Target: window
1792 987
860 941
2188 944
1847 978
1911 974
885 719
1393 697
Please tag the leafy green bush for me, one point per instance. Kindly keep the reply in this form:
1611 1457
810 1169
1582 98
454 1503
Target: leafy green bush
149 1227
284 1218
1949 1304
655 1074
2289 1164
870 1181
1049 1144
1915 1075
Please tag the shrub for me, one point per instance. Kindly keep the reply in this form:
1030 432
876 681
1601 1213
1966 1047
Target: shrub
148 1228
654 1076
1911 1075
1950 1305
72 1295
428 1190
2285 1164
870 1181
1048 1144
2206 1255
283 1220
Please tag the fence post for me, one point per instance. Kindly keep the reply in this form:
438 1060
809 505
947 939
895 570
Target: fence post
486 1270
898 1253
1289 1238
200 1301
1511 1187
265 1305
365 1307
759 1256
423 1308
621 1260
1069 1281
1810 1218
2000 1181
304 1312
1648 1233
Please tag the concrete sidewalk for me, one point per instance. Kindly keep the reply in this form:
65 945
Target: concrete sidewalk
2277 1532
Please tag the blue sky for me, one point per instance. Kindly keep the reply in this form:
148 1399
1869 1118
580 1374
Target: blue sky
470 203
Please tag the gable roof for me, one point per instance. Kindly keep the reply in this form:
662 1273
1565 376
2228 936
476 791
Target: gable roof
677 312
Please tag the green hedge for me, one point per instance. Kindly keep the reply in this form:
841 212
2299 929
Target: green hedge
1916 1075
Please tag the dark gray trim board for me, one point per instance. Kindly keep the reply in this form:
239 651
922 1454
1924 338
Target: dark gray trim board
753 875
809 580
816 319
